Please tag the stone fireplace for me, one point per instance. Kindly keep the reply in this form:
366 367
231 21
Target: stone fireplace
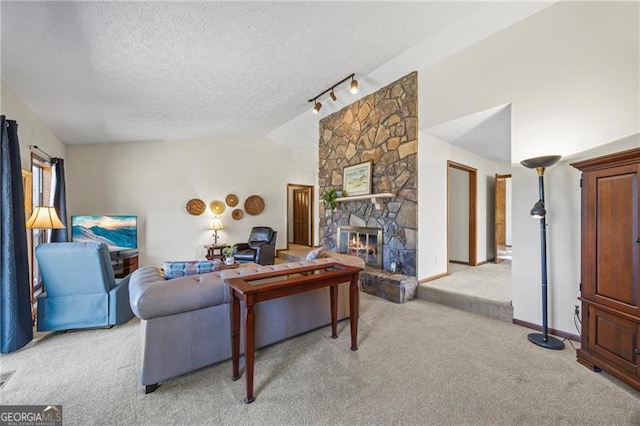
382 128
363 242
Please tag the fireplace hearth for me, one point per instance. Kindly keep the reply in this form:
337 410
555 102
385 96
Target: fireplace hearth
363 242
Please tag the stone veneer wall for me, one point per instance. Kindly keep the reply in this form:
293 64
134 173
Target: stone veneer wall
382 128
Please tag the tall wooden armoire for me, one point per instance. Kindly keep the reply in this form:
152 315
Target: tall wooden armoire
610 254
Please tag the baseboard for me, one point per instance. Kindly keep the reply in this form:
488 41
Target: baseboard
460 262
432 278
574 337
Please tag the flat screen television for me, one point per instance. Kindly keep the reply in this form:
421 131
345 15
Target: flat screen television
119 232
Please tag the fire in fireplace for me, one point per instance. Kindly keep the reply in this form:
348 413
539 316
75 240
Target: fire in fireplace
366 243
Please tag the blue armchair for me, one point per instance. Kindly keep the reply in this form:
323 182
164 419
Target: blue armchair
80 289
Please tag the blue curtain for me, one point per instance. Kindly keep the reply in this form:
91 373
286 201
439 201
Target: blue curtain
59 201
16 329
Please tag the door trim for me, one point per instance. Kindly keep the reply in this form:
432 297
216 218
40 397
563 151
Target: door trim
473 201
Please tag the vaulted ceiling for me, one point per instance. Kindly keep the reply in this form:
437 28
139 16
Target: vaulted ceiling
101 72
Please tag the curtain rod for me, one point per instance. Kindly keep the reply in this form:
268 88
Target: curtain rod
35 148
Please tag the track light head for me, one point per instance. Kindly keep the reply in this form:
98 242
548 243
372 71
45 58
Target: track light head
333 96
316 107
354 85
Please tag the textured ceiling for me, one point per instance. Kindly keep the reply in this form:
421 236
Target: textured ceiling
99 72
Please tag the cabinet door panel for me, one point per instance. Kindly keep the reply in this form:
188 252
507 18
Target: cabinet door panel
612 204
613 338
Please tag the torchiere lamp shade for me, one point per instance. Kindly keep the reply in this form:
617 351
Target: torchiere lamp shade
546 161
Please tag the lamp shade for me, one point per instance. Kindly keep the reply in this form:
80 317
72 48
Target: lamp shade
44 217
216 223
538 211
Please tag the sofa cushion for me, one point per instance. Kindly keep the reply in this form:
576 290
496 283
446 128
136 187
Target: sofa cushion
183 268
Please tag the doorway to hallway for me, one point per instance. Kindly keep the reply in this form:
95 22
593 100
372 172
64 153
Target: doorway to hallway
461 213
299 215
502 208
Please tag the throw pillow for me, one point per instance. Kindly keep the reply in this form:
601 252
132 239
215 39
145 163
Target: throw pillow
317 253
183 268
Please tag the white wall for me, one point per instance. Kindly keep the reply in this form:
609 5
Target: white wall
458 215
570 73
433 154
508 215
31 130
155 181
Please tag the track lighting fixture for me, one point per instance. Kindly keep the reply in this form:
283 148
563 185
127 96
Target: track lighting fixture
331 91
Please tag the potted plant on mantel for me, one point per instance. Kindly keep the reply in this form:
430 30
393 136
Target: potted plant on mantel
228 252
329 197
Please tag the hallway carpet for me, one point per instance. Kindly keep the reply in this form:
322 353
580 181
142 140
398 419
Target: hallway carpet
484 290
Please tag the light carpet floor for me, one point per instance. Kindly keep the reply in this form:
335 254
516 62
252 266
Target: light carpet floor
488 281
417 363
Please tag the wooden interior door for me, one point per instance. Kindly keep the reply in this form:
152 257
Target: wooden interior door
301 216
500 229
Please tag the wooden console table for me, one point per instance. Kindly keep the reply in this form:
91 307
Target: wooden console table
272 285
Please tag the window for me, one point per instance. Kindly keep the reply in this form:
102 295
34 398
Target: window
40 195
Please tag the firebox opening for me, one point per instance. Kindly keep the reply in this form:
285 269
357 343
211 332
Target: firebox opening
363 242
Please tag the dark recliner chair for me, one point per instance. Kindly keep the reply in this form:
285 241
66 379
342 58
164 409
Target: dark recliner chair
261 247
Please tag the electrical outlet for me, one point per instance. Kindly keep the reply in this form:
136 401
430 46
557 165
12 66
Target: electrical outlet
576 311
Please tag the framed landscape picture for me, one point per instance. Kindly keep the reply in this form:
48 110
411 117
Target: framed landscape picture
356 180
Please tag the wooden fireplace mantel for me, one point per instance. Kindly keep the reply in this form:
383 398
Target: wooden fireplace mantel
375 198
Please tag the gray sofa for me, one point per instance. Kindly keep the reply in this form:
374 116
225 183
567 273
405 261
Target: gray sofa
185 322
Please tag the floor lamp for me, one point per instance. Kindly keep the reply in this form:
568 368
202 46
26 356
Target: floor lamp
538 212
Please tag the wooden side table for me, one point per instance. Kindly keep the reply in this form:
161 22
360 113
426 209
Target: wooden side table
124 262
215 251
224 266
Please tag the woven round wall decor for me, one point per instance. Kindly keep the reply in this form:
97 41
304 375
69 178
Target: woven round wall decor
237 214
254 205
217 207
196 206
231 200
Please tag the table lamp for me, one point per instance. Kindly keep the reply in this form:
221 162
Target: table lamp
216 225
